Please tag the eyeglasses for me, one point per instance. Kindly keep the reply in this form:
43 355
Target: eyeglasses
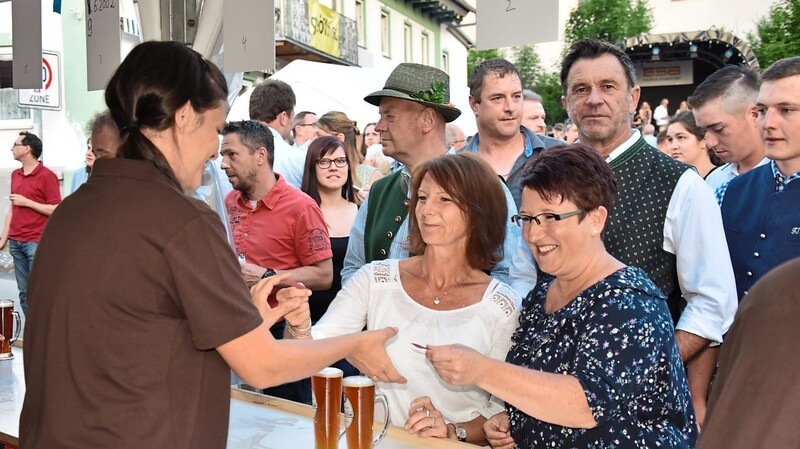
19 145
306 124
546 218
326 163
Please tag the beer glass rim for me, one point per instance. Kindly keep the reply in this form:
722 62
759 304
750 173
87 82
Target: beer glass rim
4 302
330 372
357 381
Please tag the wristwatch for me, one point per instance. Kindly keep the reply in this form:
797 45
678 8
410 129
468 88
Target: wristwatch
269 273
461 433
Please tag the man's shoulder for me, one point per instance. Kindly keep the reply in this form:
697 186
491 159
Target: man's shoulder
762 172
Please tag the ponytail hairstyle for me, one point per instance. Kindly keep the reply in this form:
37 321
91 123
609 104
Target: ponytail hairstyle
147 89
335 122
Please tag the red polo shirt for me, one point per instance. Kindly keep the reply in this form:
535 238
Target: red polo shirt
285 230
40 185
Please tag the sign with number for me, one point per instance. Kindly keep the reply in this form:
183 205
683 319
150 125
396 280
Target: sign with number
26 34
248 33
507 23
102 42
49 96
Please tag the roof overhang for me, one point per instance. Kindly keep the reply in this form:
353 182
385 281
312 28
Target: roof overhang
442 11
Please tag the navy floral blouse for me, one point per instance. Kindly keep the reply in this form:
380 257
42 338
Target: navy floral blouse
617 339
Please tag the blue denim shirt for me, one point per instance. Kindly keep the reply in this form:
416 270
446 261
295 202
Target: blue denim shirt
534 144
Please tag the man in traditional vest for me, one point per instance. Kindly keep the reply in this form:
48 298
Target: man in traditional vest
665 218
761 208
724 105
414 108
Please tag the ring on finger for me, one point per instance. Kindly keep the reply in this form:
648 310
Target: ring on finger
428 413
433 421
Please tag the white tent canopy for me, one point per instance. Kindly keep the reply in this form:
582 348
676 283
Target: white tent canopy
322 87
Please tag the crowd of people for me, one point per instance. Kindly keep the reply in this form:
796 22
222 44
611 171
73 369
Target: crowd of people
510 289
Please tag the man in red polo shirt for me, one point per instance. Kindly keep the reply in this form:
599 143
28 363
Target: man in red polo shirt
34 196
276 228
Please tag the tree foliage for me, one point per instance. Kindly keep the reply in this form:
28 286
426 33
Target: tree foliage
529 65
475 57
548 85
778 34
544 83
609 20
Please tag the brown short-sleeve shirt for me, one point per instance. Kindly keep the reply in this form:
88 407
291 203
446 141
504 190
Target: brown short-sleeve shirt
133 287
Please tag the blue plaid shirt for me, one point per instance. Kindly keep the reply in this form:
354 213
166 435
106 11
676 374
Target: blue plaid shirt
780 182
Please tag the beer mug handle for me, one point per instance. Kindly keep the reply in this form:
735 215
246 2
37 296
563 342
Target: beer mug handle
18 323
380 397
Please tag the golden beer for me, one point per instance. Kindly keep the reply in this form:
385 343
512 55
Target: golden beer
326 387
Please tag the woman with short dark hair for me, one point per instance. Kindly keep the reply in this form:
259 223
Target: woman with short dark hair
594 361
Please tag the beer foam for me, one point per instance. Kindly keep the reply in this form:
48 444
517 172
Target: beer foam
357 381
330 372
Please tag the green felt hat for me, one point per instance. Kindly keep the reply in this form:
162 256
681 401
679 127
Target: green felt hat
425 85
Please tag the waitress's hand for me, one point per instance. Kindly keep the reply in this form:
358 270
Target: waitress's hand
424 420
497 431
370 357
291 301
457 364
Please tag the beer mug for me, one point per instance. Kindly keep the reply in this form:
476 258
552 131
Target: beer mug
326 389
359 412
8 316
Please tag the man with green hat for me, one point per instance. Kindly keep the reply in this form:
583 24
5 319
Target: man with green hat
414 108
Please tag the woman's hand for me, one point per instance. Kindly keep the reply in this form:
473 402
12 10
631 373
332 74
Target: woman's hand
498 433
457 364
424 420
370 357
292 301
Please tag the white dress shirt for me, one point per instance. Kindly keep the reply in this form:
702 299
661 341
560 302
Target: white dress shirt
288 162
725 173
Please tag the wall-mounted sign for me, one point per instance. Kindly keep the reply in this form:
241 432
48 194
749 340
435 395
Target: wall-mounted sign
49 96
665 73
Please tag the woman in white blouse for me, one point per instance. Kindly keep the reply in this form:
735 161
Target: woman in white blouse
442 295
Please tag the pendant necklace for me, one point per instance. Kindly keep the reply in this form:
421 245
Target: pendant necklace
437 299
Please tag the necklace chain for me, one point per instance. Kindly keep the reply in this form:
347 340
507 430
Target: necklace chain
437 299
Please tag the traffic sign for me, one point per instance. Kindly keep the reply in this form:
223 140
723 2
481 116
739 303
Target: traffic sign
49 96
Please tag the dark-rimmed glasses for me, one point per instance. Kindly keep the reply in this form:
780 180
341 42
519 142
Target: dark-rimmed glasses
545 218
326 163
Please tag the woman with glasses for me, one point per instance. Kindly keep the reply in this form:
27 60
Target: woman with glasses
594 361
439 296
337 124
327 181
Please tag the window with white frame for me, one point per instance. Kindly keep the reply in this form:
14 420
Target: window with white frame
386 36
425 49
408 43
11 115
361 24
446 61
